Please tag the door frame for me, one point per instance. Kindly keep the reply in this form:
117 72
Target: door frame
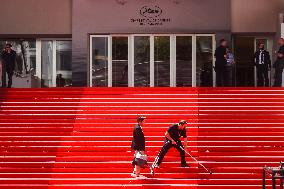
152 58
270 50
131 82
213 56
54 61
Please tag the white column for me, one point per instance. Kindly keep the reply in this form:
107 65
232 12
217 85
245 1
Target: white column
152 61
109 61
194 61
282 30
54 63
38 59
131 61
281 20
173 61
90 83
214 60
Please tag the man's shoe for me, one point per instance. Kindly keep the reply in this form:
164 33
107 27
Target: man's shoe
155 166
152 168
184 165
133 175
141 177
152 171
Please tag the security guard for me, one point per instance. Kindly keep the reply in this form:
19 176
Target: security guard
221 61
173 135
8 65
279 64
263 65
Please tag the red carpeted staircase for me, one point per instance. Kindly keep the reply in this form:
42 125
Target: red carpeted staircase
80 137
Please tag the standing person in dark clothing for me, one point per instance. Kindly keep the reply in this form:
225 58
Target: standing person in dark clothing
228 70
279 64
221 61
8 65
263 65
173 135
138 145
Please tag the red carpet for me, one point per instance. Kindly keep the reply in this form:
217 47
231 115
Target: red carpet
80 138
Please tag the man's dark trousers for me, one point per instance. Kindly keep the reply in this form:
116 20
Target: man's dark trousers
220 76
278 74
262 75
10 76
165 149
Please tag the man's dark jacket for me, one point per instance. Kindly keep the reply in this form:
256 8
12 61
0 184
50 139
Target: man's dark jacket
280 61
266 58
9 60
281 50
220 53
138 141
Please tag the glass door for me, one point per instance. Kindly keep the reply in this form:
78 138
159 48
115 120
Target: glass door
268 43
47 66
152 60
184 63
162 61
204 61
100 57
120 61
157 60
63 63
142 57
244 48
25 65
54 67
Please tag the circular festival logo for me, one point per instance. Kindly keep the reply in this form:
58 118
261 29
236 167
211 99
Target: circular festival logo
150 16
151 12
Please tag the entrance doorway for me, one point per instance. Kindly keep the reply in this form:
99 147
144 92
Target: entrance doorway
244 49
152 60
25 62
41 62
54 62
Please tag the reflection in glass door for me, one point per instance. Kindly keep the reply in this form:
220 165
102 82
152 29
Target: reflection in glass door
184 61
162 61
25 67
41 62
54 67
63 63
100 53
244 50
120 61
47 56
142 61
152 60
204 61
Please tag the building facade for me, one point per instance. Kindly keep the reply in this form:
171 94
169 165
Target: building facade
135 43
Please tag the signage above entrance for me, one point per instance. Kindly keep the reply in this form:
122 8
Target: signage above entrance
151 12
151 16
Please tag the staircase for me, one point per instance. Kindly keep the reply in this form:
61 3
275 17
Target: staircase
80 137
